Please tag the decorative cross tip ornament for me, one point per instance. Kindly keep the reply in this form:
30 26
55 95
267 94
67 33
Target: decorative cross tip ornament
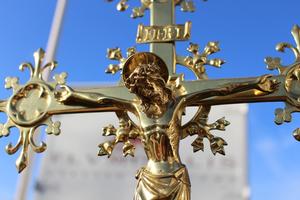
291 74
27 108
151 90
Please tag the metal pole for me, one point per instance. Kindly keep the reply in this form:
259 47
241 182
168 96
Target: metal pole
24 180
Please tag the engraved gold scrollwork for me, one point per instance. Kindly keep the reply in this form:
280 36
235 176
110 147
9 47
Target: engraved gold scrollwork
116 54
199 125
27 108
126 132
291 75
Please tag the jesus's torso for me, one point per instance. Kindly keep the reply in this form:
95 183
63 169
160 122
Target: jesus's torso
156 140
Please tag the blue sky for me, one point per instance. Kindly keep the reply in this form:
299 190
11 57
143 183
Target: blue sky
247 30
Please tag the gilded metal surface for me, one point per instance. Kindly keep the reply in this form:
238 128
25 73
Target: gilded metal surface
199 60
151 34
185 6
159 110
156 95
162 13
291 74
116 54
27 108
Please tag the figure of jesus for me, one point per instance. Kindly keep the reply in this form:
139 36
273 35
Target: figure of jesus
159 111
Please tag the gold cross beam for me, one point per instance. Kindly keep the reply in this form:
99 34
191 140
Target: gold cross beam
151 90
25 115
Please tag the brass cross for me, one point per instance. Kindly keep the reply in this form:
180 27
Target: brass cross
153 91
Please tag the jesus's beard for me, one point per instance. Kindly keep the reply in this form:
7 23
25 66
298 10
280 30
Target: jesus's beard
153 94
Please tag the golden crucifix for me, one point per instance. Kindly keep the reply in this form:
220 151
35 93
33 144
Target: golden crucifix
156 95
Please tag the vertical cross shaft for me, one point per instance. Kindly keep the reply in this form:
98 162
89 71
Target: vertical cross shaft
162 14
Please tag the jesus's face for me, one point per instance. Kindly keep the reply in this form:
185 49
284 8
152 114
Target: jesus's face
148 86
151 89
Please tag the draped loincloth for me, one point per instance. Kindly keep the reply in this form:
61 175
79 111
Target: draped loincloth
169 186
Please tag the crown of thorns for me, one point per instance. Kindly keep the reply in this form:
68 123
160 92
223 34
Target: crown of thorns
144 64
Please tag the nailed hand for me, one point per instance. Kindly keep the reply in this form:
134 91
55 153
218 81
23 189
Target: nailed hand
64 94
266 84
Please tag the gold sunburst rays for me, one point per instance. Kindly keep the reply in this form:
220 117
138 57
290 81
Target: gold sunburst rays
27 108
291 74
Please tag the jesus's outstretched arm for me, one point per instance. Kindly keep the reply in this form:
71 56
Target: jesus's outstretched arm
69 96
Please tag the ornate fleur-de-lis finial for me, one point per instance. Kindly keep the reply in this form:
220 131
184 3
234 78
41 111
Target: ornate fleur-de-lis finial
295 49
275 63
37 71
28 105
199 60
116 54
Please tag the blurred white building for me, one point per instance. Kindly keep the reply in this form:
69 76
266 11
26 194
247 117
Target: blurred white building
70 168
